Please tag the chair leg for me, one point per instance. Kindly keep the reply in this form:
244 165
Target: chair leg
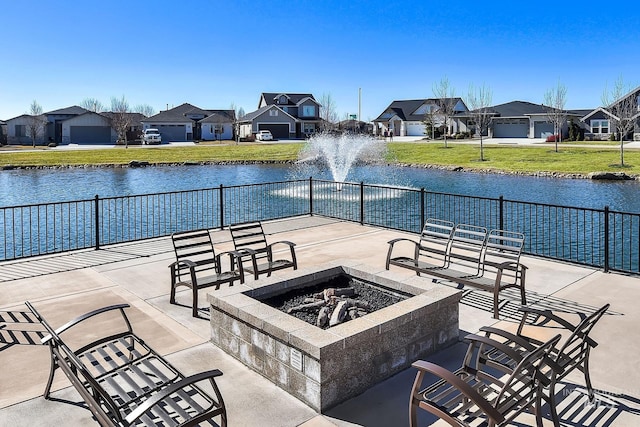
587 379
195 302
552 404
54 366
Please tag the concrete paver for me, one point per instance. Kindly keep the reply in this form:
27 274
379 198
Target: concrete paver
251 399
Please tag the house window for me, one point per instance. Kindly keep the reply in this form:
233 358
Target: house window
308 110
21 130
309 128
218 129
285 109
282 99
273 113
599 126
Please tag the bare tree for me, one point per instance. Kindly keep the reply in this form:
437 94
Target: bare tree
120 118
238 115
431 120
37 122
622 106
554 102
480 100
144 109
92 104
328 112
447 103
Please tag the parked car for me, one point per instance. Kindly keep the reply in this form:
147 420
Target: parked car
151 136
264 135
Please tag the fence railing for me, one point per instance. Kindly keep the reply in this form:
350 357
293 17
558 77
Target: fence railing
596 237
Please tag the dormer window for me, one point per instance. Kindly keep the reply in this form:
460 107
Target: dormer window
282 99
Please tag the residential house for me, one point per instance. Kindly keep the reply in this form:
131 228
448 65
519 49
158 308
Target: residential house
600 123
18 130
3 132
407 117
190 123
286 115
88 128
521 119
55 119
218 125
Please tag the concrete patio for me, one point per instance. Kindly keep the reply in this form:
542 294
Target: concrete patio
65 285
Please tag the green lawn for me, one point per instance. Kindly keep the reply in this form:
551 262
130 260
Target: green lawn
525 159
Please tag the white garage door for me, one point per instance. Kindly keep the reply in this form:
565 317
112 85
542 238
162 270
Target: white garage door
511 128
415 129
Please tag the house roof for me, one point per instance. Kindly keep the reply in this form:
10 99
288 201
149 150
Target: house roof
249 117
220 116
404 109
270 98
74 109
135 117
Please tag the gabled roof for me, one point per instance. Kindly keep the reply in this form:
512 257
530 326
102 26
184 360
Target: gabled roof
271 98
135 117
17 117
518 109
252 115
405 109
220 116
74 109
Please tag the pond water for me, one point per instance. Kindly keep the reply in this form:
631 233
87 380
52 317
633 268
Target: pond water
21 187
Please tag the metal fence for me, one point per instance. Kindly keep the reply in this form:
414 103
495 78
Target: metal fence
596 237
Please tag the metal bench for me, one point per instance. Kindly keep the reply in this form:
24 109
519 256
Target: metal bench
467 255
198 266
249 240
482 391
123 381
573 351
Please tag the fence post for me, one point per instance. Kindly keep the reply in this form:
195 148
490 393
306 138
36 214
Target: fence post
221 197
501 219
97 221
606 239
311 195
361 203
422 218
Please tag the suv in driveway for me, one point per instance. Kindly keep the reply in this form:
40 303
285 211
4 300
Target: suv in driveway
264 135
151 136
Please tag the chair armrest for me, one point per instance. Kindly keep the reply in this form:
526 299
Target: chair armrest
400 239
283 242
182 263
82 318
475 339
517 339
464 388
548 314
164 393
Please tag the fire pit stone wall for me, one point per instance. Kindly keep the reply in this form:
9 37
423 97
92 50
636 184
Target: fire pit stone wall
325 367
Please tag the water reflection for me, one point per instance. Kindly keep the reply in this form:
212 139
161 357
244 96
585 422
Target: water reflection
20 187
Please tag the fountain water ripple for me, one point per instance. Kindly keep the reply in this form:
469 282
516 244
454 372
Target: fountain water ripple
338 153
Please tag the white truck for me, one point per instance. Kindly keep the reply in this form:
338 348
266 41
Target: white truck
151 136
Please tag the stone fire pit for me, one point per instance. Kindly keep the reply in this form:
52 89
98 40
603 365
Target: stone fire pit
323 367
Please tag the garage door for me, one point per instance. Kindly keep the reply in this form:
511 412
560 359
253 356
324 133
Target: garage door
542 130
90 135
280 130
511 128
415 129
172 132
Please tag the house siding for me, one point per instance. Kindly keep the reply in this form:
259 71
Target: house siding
83 121
208 131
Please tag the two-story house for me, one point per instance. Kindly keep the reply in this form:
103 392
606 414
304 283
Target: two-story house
286 115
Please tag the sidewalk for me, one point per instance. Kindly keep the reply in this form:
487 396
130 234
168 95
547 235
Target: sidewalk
66 285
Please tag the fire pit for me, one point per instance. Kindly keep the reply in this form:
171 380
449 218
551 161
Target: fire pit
328 365
335 301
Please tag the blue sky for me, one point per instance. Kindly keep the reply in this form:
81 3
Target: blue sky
213 53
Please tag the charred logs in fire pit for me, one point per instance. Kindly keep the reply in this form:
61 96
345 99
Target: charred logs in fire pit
332 306
333 302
